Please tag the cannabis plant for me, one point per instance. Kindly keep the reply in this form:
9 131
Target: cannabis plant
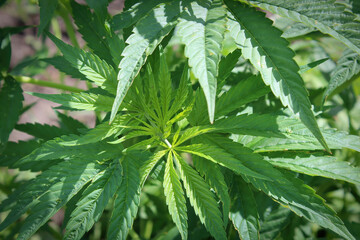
225 123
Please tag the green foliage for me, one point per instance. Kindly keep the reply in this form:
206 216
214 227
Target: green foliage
188 123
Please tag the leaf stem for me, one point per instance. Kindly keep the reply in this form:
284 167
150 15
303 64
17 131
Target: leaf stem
23 79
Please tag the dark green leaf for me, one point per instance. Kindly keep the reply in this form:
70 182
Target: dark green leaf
346 71
93 201
11 104
126 202
243 212
47 10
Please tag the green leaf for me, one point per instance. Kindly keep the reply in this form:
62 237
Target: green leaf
346 71
17 150
325 166
126 202
326 15
164 84
202 28
193 132
296 30
207 149
202 199
215 178
93 99
242 93
90 65
147 34
105 130
288 190
275 222
44 194
276 132
47 10
93 30
182 92
175 197
227 64
60 63
59 148
70 124
243 212
11 101
58 194
43 131
99 6
149 165
311 65
134 14
93 201
274 60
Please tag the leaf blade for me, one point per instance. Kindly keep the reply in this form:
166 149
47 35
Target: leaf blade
202 29
274 61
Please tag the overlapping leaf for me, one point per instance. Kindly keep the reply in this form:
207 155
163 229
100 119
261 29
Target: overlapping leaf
274 223
327 16
55 149
282 133
287 190
175 197
325 166
273 59
87 100
88 64
216 180
202 27
93 201
47 193
93 31
126 202
347 70
244 214
42 131
147 34
201 199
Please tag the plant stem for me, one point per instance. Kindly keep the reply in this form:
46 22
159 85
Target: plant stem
23 79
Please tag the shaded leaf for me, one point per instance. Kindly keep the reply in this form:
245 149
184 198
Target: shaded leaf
243 212
93 201
47 10
11 101
42 131
346 71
